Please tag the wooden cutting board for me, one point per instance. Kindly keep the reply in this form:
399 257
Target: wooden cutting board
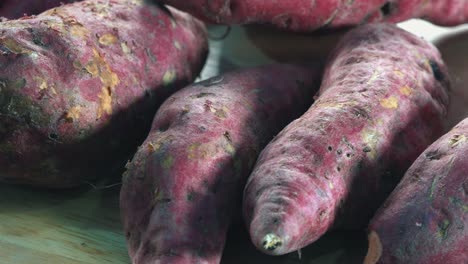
83 226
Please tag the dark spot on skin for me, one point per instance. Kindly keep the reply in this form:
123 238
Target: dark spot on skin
367 149
387 9
53 136
201 95
202 128
360 112
438 75
184 111
322 214
288 22
433 155
164 127
348 155
127 235
338 168
227 136
339 152
330 148
275 221
190 196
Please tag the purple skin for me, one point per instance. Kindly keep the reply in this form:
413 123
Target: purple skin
425 220
382 100
184 185
80 85
306 15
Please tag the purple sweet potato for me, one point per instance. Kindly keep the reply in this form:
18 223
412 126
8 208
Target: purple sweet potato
425 220
381 103
185 183
16 9
79 86
306 15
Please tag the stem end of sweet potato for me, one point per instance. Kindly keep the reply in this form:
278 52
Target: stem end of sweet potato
271 242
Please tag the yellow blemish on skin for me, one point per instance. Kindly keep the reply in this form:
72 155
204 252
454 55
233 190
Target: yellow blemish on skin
399 74
158 196
154 147
230 149
98 67
204 150
390 102
177 45
370 138
457 140
374 252
77 30
53 90
374 76
108 39
43 85
105 102
192 150
125 48
221 113
169 77
74 113
14 46
406 90
330 184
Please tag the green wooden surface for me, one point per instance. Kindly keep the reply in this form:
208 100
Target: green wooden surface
83 226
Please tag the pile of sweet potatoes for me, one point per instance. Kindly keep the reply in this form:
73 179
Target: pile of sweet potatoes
294 150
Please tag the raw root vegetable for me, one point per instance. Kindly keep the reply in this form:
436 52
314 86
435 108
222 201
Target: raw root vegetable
381 103
425 220
306 15
184 185
16 9
80 85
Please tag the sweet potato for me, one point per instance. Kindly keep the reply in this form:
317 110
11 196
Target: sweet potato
306 15
80 85
185 183
381 103
425 219
16 9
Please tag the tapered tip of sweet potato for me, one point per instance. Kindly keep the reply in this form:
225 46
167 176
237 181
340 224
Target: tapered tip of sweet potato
375 249
271 242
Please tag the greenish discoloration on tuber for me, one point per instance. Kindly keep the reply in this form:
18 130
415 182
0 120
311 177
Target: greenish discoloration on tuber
167 162
443 228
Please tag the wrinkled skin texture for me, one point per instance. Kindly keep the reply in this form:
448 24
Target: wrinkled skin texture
15 9
80 85
381 103
185 183
306 15
425 220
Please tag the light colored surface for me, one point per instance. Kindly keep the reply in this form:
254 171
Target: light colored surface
39 227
